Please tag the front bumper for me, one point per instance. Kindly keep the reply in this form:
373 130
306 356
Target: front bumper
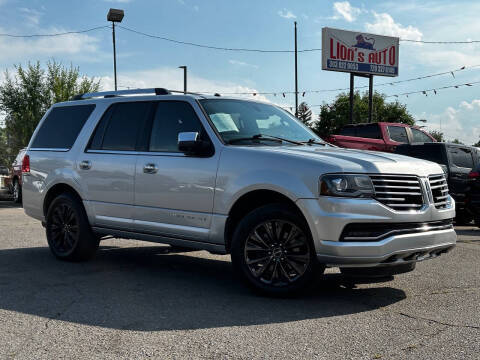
328 216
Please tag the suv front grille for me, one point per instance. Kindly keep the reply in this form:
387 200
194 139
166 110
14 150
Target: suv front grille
399 192
439 187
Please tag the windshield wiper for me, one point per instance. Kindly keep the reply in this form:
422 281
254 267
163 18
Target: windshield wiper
314 141
264 137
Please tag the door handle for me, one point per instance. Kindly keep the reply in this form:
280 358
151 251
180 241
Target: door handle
150 169
85 165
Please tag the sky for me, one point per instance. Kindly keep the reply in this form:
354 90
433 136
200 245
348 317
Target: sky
264 24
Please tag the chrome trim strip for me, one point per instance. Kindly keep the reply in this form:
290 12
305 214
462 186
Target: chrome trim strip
50 149
418 230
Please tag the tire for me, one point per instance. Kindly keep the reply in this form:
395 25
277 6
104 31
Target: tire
17 192
274 263
69 234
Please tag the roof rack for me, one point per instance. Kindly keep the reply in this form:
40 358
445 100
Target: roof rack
156 91
110 94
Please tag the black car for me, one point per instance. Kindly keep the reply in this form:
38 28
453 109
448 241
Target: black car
472 197
457 161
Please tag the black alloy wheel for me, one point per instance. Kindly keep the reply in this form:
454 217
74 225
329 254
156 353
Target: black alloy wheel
272 251
63 229
69 234
277 252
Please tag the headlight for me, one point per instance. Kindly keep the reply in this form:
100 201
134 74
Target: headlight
347 185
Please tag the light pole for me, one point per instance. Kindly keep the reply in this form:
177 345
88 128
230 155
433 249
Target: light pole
184 78
115 15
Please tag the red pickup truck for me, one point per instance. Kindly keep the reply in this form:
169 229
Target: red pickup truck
380 136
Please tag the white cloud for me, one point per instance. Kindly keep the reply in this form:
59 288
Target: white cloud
83 46
287 14
118 1
385 25
242 63
31 15
172 78
343 10
462 122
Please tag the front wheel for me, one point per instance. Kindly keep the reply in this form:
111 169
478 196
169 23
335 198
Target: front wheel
69 234
272 251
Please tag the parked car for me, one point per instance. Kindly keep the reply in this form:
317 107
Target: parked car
457 162
4 188
472 196
380 136
229 176
15 179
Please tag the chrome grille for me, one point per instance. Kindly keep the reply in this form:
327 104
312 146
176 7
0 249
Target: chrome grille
399 192
439 187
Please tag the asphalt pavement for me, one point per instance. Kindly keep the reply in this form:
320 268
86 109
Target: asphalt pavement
138 300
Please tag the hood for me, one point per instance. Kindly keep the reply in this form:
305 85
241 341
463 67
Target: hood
352 160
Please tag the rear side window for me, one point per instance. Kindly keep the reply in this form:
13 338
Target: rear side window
461 157
420 136
398 133
61 127
369 131
171 118
348 131
120 126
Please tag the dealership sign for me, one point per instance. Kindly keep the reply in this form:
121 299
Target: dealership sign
358 52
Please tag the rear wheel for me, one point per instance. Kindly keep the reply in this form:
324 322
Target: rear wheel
17 192
69 234
272 251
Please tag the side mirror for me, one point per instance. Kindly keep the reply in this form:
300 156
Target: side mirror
190 142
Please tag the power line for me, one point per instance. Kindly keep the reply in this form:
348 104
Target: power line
434 90
449 72
442 42
212 47
55 34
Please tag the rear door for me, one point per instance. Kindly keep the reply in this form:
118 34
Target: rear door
461 163
174 192
107 167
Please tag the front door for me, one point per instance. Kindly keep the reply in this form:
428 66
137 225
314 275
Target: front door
174 192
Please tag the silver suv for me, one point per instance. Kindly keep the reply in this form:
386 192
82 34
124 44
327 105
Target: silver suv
232 177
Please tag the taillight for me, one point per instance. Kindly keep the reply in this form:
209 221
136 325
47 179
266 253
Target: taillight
26 164
474 175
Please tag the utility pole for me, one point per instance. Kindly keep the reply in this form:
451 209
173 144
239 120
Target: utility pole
115 15
296 73
352 85
370 97
184 78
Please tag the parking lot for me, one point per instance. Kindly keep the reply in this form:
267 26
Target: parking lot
136 300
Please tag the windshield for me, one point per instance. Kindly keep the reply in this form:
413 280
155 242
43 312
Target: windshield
245 120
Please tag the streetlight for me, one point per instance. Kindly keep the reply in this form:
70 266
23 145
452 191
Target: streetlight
115 15
184 78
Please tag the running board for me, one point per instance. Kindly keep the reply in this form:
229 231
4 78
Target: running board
198 245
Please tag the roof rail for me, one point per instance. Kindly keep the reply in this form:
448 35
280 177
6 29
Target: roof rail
156 91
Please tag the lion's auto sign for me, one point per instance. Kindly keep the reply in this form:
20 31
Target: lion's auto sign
358 52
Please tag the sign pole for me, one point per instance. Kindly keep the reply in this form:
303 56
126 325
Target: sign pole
352 85
370 97
296 73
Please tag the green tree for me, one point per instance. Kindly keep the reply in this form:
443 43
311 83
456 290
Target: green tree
335 115
477 144
304 113
437 135
456 141
27 95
